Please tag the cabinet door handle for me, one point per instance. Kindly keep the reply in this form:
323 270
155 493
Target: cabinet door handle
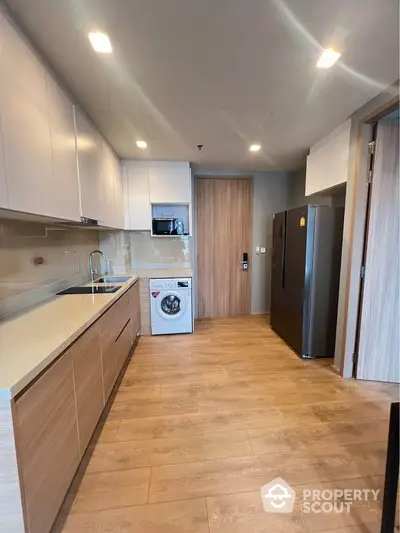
122 330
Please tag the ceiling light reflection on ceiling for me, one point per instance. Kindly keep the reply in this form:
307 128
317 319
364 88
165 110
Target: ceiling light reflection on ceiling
255 148
141 144
328 58
100 42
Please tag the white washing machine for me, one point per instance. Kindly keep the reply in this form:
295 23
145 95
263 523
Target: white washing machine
171 306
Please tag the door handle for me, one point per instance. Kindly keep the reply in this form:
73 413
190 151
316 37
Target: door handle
244 262
283 227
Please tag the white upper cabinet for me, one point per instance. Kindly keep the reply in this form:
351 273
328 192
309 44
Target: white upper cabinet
3 182
90 164
137 195
327 164
153 182
66 203
106 187
170 183
119 210
53 161
112 189
25 126
99 175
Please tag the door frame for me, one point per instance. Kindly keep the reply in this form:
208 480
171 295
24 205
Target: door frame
361 135
198 177
367 225
371 160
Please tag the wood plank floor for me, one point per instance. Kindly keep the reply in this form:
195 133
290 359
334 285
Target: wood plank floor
201 422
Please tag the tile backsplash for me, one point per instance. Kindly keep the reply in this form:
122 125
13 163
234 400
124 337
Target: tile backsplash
159 252
37 260
137 250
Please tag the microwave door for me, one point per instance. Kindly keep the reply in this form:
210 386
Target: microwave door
162 226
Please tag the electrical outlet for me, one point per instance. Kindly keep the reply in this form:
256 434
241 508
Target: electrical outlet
263 250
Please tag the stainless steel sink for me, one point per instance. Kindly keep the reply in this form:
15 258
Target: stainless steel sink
91 289
110 279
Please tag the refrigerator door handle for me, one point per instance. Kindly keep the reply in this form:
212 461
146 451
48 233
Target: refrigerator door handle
283 229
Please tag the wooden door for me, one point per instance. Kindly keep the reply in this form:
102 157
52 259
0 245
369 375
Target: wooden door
379 346
224 233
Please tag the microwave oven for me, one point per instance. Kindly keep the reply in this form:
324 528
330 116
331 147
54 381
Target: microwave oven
168 226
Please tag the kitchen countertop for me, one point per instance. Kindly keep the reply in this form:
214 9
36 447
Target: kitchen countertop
31 340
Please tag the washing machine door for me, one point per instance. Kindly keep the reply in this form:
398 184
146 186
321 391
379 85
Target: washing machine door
171 305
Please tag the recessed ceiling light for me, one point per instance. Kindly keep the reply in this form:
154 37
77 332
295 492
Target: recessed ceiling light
141 144
100 42
255 148
328 58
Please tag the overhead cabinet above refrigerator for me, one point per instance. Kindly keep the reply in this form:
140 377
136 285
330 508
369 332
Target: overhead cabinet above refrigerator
307 245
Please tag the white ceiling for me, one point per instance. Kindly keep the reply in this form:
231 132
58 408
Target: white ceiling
222 73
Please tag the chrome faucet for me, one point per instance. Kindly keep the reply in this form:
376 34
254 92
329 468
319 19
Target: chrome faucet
93 271
78 265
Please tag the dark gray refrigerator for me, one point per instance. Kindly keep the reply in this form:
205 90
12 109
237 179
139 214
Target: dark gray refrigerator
306 256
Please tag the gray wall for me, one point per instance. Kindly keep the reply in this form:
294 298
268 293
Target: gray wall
272 193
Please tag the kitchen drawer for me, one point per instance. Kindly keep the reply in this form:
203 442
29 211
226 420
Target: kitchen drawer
121 311
115 341
122 346
112 322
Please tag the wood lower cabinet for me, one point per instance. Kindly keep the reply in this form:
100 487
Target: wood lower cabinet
107 356
116 340
135 310
54 418
145 322
86 361
47 443
123 345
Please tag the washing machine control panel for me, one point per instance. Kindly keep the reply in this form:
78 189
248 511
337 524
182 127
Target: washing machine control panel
174 283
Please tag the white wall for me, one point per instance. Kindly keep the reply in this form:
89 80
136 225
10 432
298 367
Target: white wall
328 161
298 192
271 194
